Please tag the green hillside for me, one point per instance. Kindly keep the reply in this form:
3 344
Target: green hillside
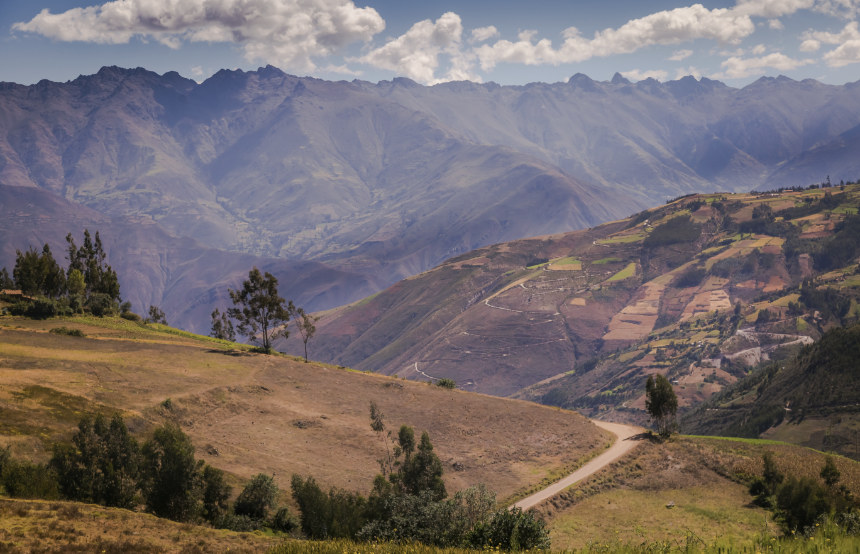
811 399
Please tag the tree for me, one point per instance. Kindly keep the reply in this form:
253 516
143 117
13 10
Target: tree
222 327
172 477
306 325
261 313
257 497
830 473
156 315
216 493
6 281
37 273
661 403
101 465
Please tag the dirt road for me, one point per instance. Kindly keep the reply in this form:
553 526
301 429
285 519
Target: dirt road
622 446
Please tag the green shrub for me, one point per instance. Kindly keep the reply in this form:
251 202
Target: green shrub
101 304
511 530
131 316
23 479
283 521
67 331
257 497
446 383
690 278
38 308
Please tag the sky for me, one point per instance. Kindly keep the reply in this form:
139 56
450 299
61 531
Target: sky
432 41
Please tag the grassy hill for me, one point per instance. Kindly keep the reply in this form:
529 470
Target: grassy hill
249 413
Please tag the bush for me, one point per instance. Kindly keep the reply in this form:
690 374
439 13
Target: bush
511 530
39 308
131 316
67 331
446 383
100 304
257 497
283 521
690 278
23 479
241 524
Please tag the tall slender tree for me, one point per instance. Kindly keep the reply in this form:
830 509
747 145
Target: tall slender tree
661 403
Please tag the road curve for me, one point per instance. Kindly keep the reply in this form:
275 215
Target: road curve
622 446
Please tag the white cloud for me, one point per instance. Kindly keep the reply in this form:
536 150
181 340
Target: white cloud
738 68
775 24
679 55
638 75
849 9
665 27
771 8
289 33
197 73
848 41
759 49
482 34
416 53
810 45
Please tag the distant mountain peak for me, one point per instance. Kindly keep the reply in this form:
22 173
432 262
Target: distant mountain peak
619 79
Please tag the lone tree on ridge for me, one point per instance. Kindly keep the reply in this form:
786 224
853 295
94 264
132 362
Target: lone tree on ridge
661 404
260 312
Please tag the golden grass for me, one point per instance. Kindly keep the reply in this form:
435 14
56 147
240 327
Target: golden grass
249 413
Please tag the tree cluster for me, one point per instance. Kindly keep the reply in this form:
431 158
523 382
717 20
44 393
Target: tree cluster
88 284
800 503
104 464
409 503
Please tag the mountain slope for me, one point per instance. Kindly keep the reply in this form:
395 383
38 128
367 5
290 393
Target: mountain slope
698 289
811 399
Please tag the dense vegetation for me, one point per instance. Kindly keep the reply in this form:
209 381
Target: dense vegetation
88 284
409 504
104 464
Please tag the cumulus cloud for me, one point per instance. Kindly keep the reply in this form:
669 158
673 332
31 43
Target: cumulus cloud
416 53
679 55
289 33
738 68
638 75
759 49
848 41
482 34
665 27
775 24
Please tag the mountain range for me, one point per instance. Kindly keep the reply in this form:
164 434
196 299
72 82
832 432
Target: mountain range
378 181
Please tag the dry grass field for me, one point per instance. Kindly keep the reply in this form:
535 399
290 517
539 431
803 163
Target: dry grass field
68 527
249 413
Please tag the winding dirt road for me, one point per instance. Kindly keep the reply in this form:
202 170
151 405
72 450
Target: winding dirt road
625 443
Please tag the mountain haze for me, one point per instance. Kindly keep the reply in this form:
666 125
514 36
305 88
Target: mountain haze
385 180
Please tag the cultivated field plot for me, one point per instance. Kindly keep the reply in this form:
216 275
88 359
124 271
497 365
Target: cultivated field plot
636 320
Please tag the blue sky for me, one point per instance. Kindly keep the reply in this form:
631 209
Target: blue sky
506 41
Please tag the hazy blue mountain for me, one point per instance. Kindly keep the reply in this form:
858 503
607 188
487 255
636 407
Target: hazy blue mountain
388 179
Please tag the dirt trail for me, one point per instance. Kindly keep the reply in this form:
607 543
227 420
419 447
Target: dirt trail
625 443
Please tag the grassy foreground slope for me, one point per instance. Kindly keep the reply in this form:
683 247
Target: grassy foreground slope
249 413
689 490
